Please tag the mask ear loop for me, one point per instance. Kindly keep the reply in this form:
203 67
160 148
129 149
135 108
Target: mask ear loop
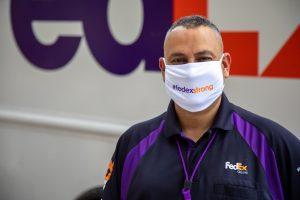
221 62
221 59
165 61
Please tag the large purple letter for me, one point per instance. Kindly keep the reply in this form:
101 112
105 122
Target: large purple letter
120 59
44 56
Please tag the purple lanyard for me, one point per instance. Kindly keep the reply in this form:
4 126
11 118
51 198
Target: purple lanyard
186 191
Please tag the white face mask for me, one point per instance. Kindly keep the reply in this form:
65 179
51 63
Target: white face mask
194 86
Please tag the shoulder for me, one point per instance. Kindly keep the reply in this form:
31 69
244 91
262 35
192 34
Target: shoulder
133 135
142 129
276 135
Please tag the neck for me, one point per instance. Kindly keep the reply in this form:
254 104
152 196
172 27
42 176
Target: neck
195 124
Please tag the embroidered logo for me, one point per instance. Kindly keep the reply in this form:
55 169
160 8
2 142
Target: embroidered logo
238 167
108 172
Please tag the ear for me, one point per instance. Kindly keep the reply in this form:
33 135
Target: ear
226 62
162 67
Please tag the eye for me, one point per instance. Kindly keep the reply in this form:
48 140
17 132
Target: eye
204 59
178 61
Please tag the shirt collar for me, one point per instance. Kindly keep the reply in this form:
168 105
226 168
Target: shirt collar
222 120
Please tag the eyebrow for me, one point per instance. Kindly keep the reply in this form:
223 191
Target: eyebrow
176 55
205 52
200 53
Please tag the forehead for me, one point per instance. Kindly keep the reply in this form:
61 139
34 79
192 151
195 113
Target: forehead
193 40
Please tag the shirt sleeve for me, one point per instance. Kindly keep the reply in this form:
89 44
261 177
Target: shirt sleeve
287 152
111 188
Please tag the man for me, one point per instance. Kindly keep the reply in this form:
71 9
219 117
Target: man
203 147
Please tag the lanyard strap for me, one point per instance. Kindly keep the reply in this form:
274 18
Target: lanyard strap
186 191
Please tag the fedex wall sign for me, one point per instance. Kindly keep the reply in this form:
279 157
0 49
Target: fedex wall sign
158 16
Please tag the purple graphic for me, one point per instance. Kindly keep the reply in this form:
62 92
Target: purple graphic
113 56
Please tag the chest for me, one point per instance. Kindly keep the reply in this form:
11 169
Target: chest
229 169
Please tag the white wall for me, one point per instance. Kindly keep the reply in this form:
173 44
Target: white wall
42 163
58 128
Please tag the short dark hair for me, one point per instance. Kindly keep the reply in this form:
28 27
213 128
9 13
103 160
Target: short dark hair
193 21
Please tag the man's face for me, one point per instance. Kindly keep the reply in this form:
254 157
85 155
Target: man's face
198 44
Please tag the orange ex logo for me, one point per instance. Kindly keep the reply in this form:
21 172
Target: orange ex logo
109 171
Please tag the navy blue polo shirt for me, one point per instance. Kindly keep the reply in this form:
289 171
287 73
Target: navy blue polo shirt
250 157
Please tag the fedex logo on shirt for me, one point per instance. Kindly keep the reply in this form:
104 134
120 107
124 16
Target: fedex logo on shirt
122 59
238 167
